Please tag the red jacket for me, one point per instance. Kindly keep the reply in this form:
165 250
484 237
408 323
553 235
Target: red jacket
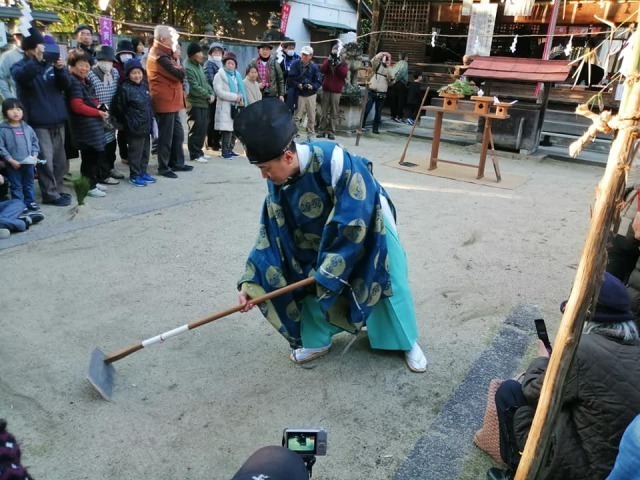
333 80
165 80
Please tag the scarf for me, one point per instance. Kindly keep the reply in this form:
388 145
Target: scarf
106 67
236 85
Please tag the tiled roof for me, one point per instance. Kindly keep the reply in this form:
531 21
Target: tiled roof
519 69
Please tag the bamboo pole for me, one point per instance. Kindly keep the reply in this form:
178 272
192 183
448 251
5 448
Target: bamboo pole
375 19
588 277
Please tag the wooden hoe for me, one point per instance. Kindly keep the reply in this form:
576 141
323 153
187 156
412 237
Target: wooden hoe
101 371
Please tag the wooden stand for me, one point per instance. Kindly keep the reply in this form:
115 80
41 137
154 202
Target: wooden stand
487 139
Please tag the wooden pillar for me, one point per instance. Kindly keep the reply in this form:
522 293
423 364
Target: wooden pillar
374 39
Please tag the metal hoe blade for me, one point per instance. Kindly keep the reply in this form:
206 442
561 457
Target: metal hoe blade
100 374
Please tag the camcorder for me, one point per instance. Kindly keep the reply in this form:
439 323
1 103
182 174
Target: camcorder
306 442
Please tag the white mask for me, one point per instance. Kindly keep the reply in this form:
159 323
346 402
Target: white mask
105 66
290 53
216 58
124 57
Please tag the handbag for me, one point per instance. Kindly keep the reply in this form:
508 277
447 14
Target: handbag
234 112
488 437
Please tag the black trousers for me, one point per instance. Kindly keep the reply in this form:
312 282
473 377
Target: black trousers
213 136
397 99
198 120
138 155
107 160
170 139
89 165
509 398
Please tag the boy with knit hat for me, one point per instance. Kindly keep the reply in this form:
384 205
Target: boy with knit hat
131 108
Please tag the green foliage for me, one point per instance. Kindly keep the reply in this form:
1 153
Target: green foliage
460 87
187 15
81 186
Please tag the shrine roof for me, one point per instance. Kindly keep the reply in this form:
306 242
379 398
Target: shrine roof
519 69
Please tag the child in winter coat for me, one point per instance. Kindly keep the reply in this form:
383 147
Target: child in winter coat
19 148
131 108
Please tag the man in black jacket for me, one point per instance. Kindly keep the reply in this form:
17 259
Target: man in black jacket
41 82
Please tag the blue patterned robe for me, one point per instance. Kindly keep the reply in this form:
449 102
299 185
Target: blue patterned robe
336 235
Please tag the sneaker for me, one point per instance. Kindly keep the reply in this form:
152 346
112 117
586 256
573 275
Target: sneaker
137 181
200 160
102 187
169 174
206 157
304 355
25 211
4 233
415 359
376 131
147 178
396 119
59 202
410 121
116 174
234 154
331 136
227 155
65 195
321 135
109 181
184 168
96 192
36 217
33 206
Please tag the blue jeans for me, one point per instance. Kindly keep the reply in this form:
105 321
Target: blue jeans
21 183
377 100
628 461
10 211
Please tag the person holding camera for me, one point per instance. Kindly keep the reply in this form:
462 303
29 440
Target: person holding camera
398 91
325 216
41 80
304 76
335 70
379 81
601 395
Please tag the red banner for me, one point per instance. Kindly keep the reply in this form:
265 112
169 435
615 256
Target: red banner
286 10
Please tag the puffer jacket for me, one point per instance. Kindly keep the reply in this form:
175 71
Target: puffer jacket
131 108
601 397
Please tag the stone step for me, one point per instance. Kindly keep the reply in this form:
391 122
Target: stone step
564 140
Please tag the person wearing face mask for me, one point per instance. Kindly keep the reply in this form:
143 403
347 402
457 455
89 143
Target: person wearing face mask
105 79
286 56
211 68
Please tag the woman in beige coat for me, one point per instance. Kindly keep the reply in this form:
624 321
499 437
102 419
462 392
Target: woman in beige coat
381 77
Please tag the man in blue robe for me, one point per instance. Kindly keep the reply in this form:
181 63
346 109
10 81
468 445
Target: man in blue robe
325 216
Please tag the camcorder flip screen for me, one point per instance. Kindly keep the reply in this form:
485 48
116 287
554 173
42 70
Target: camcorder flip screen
302 442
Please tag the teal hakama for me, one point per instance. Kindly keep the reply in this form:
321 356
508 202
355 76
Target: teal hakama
333 221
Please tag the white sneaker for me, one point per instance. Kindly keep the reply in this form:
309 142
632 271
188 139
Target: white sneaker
415 359
102 187
303 355
96 192
202 159
206 157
